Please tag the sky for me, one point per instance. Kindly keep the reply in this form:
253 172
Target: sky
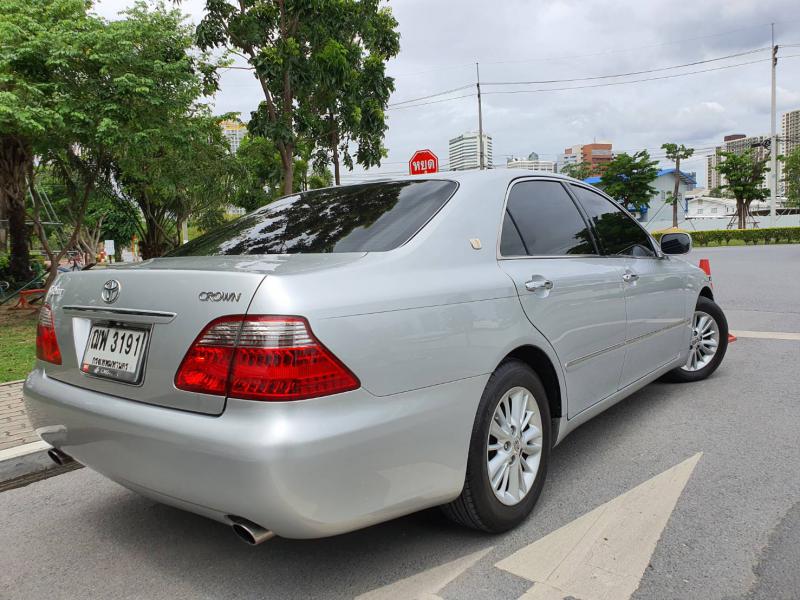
517 40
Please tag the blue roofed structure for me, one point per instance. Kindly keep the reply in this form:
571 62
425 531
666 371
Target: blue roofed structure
659 214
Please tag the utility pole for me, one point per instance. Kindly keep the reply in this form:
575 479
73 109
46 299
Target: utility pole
482 162
773 140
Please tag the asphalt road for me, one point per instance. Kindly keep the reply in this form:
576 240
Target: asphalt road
734 533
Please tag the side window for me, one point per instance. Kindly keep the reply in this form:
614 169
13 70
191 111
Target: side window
618 232
542 220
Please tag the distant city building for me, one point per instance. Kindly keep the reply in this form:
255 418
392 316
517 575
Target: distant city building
738 143
234 132
596 154
757 143
465 151
532 163
567 158
712 175
790 131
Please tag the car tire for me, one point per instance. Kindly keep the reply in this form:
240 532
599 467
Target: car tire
685 373
480 506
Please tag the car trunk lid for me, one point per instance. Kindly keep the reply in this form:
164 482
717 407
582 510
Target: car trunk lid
170 306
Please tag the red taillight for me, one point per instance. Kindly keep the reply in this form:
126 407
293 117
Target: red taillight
262 358
46 342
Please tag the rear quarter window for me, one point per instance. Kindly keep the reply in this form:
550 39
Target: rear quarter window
373 217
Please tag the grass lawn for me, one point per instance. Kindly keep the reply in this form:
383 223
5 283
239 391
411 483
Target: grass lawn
17 343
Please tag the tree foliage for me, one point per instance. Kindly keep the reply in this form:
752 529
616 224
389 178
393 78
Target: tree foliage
113 111
744 174
676 153
352 89
315 61
259 178
627 178
580 171
791 177
40 42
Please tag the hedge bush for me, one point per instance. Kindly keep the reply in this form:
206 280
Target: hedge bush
767 235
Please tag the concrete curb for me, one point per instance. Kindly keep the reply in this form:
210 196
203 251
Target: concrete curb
22 465
24 460
15 382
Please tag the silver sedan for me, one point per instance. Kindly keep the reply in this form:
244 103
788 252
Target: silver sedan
348 355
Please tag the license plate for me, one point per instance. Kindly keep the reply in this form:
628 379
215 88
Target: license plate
115 353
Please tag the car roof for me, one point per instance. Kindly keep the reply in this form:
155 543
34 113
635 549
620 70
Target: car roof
501 176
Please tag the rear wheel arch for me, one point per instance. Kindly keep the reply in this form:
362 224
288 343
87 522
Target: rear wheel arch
706 292
541 364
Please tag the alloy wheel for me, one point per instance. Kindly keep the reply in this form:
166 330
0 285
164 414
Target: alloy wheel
704 343
514 447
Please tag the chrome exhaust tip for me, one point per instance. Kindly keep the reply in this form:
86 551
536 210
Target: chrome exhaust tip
59 457
250 532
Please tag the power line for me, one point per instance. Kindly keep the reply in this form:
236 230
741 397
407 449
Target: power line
691 64
458 89
613 83
413 101
390 107
599 53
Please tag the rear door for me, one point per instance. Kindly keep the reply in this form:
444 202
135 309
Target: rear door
569 292
655 287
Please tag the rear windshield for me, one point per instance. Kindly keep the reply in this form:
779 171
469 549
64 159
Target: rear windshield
372 217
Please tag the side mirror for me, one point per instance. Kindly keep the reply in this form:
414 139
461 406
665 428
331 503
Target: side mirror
676 243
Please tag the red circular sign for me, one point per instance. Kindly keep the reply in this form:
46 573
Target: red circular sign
423 161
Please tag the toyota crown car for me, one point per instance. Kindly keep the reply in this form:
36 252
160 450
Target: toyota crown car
348 355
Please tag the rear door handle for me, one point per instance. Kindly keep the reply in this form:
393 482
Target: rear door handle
538 284
630 277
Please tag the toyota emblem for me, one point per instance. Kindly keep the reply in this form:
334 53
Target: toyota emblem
110 291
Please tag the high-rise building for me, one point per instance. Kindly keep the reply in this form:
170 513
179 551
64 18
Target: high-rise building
595 154
532 163
712 175
737 143
790 131
465 151
234 132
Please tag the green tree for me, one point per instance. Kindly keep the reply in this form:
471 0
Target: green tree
676 153
179 172
259 178
745 180
259 174
352 90
791 177
288 43
627 178
170 160
132 122
580 171
40 39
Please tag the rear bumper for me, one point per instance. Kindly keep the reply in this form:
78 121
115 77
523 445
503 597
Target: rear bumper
303 469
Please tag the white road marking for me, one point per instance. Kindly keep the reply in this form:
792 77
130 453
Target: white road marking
425 585
767 335
603 554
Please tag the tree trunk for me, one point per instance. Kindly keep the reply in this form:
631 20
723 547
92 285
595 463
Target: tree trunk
675 192
334 133
336 177
287 160
740 209
15 157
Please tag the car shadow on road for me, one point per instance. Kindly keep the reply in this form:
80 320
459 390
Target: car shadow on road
205 559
